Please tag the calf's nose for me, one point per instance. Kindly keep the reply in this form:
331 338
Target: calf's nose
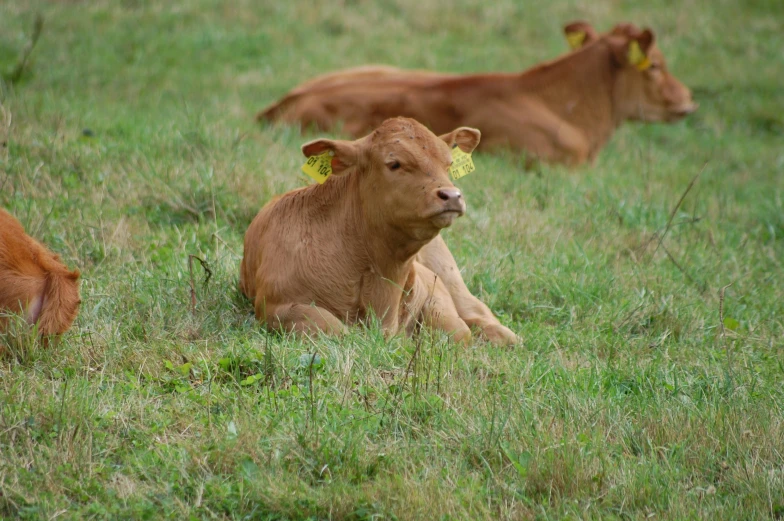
449 194
452 200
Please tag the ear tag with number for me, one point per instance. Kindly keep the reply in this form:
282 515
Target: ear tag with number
636 57
462 164
575 39
319 167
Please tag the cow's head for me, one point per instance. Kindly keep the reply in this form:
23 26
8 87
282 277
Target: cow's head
644 89
402 169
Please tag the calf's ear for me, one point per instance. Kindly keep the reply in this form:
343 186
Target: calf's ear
579 34
344 153
466 138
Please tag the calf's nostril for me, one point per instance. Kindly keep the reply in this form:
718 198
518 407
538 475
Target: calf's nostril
446 195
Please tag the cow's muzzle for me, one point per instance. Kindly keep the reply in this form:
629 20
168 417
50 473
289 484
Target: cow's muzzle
681 111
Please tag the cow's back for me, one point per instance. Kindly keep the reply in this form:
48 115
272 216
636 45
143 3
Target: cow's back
303 101
362 102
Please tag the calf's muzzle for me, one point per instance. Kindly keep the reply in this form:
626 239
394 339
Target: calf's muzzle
453 200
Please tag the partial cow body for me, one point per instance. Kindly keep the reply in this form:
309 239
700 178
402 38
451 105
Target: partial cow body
562 111
34 282
365 243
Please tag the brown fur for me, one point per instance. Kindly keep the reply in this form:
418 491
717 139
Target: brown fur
563 111
366 242
34 282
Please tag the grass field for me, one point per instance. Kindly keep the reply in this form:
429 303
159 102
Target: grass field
129 145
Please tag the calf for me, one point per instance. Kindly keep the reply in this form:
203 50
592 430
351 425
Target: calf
563 111
34 282
366 242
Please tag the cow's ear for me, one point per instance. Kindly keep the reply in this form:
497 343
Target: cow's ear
344 153
633 50
466 138
646 39
579 34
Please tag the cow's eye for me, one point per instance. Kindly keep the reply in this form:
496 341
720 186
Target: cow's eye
394 165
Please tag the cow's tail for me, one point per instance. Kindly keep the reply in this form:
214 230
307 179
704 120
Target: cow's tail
60 302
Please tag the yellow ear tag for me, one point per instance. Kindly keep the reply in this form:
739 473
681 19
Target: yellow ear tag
575 39
636 57
319 167
462 164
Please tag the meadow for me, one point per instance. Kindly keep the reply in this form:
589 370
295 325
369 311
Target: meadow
648 287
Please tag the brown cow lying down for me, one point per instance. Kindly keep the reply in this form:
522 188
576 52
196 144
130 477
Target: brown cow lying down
34 282
561 111
366 242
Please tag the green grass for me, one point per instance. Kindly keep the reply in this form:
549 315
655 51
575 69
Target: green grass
627 400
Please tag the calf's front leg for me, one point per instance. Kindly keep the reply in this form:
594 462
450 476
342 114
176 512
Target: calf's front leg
437 257
431 302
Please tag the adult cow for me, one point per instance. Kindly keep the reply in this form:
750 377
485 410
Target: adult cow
34 282
563 111
366 242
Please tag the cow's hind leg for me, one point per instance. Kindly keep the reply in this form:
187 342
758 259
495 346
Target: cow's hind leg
437 257
302 318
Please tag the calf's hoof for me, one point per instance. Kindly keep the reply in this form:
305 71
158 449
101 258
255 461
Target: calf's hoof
500 335
462 336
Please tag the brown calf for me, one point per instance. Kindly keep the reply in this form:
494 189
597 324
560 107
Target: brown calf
34 282
563 111
366 242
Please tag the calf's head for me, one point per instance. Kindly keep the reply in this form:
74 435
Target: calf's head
644 89
403 177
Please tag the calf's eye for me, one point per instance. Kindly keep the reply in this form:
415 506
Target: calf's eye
394 165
